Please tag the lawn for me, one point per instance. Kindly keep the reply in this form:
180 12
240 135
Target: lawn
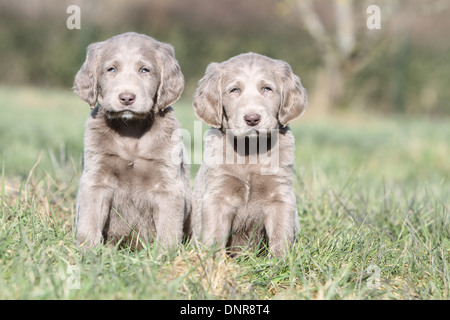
373 199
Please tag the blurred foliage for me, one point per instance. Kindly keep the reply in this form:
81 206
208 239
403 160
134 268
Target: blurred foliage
406 72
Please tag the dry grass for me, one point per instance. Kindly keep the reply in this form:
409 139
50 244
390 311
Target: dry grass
213 273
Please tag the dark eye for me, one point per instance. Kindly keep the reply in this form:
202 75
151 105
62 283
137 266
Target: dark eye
267 89
235 90
112 70
144 70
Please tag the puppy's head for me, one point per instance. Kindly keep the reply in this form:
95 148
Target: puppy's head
249 93
130 76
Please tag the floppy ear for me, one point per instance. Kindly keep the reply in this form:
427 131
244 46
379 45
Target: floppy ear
171 84
293 96
208 97
86 80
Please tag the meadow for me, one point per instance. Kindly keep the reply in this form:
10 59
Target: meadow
373 197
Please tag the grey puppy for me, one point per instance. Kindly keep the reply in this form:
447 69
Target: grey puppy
238 198
135 182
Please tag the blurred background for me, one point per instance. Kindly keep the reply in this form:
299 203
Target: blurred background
402 67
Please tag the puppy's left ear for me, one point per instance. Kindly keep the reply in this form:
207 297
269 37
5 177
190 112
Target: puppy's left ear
294 99
171 84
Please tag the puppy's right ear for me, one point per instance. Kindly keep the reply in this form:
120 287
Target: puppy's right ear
208 97
86 80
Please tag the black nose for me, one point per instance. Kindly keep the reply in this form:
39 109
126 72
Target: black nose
252 119
127 98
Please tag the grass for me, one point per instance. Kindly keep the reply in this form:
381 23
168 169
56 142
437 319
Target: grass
373 199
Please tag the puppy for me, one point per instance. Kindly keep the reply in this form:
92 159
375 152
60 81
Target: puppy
243 192
135 182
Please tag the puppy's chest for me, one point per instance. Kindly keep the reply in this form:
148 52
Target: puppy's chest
132 162
252 187
252 196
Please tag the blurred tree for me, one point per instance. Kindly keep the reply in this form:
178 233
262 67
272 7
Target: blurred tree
344 47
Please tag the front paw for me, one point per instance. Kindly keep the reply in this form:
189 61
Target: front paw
89 240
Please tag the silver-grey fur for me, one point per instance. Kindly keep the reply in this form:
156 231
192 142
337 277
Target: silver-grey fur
235 204
135 182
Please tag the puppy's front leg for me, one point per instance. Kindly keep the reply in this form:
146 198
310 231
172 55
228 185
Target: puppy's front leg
216 221
224 196
93 206
168 213
281 225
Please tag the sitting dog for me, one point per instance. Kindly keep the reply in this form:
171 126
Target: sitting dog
243 193
135 182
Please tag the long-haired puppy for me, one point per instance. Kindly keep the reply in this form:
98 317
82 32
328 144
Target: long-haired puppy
135 182
243 193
